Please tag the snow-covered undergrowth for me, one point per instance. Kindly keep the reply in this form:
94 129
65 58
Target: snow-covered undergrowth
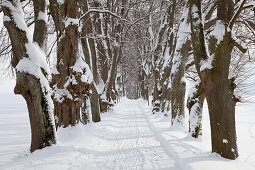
129 137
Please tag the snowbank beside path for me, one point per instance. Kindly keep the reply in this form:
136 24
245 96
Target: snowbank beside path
196 153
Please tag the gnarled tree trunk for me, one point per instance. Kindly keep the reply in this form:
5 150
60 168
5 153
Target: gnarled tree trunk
32 85
69 83
218 88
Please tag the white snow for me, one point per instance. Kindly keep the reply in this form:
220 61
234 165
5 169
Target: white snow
71 21
61 2
18 15
129 137
60 94
183 35
207 64
37 56
6 19
225 141
55 71
42 16
218 31
82 67
100 86
194 119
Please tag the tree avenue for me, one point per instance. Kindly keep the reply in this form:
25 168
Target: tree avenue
74 60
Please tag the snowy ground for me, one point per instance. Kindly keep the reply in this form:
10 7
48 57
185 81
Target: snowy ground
129 137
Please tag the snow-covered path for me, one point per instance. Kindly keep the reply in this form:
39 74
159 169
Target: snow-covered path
135 145
129 137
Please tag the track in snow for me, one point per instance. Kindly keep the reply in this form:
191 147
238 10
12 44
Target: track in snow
136 145
126 138
122 140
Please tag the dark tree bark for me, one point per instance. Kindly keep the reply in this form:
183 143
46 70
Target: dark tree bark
157 90
95 105
110 90
170 46
28 84
143 85
158 51
178 84
40 33
218 88
68 85
98 20
88 44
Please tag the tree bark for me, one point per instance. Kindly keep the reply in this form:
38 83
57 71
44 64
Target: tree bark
27 83
42 126
95 105
178 85
89 49
68 85
40 33
157 52
170 46
111 93
218 88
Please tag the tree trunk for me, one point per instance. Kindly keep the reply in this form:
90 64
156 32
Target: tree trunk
40 33
169 51
195 103
219 92
41 123
178 88
89 50
222 116
33 86
218 88
156 93
178 84
95 105
157 52
98 19
69 86
112 78
111 93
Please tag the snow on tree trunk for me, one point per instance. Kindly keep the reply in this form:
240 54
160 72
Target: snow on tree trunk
157 52
195 103
89 50
213 69
72 78
31 69
167 60
178 84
